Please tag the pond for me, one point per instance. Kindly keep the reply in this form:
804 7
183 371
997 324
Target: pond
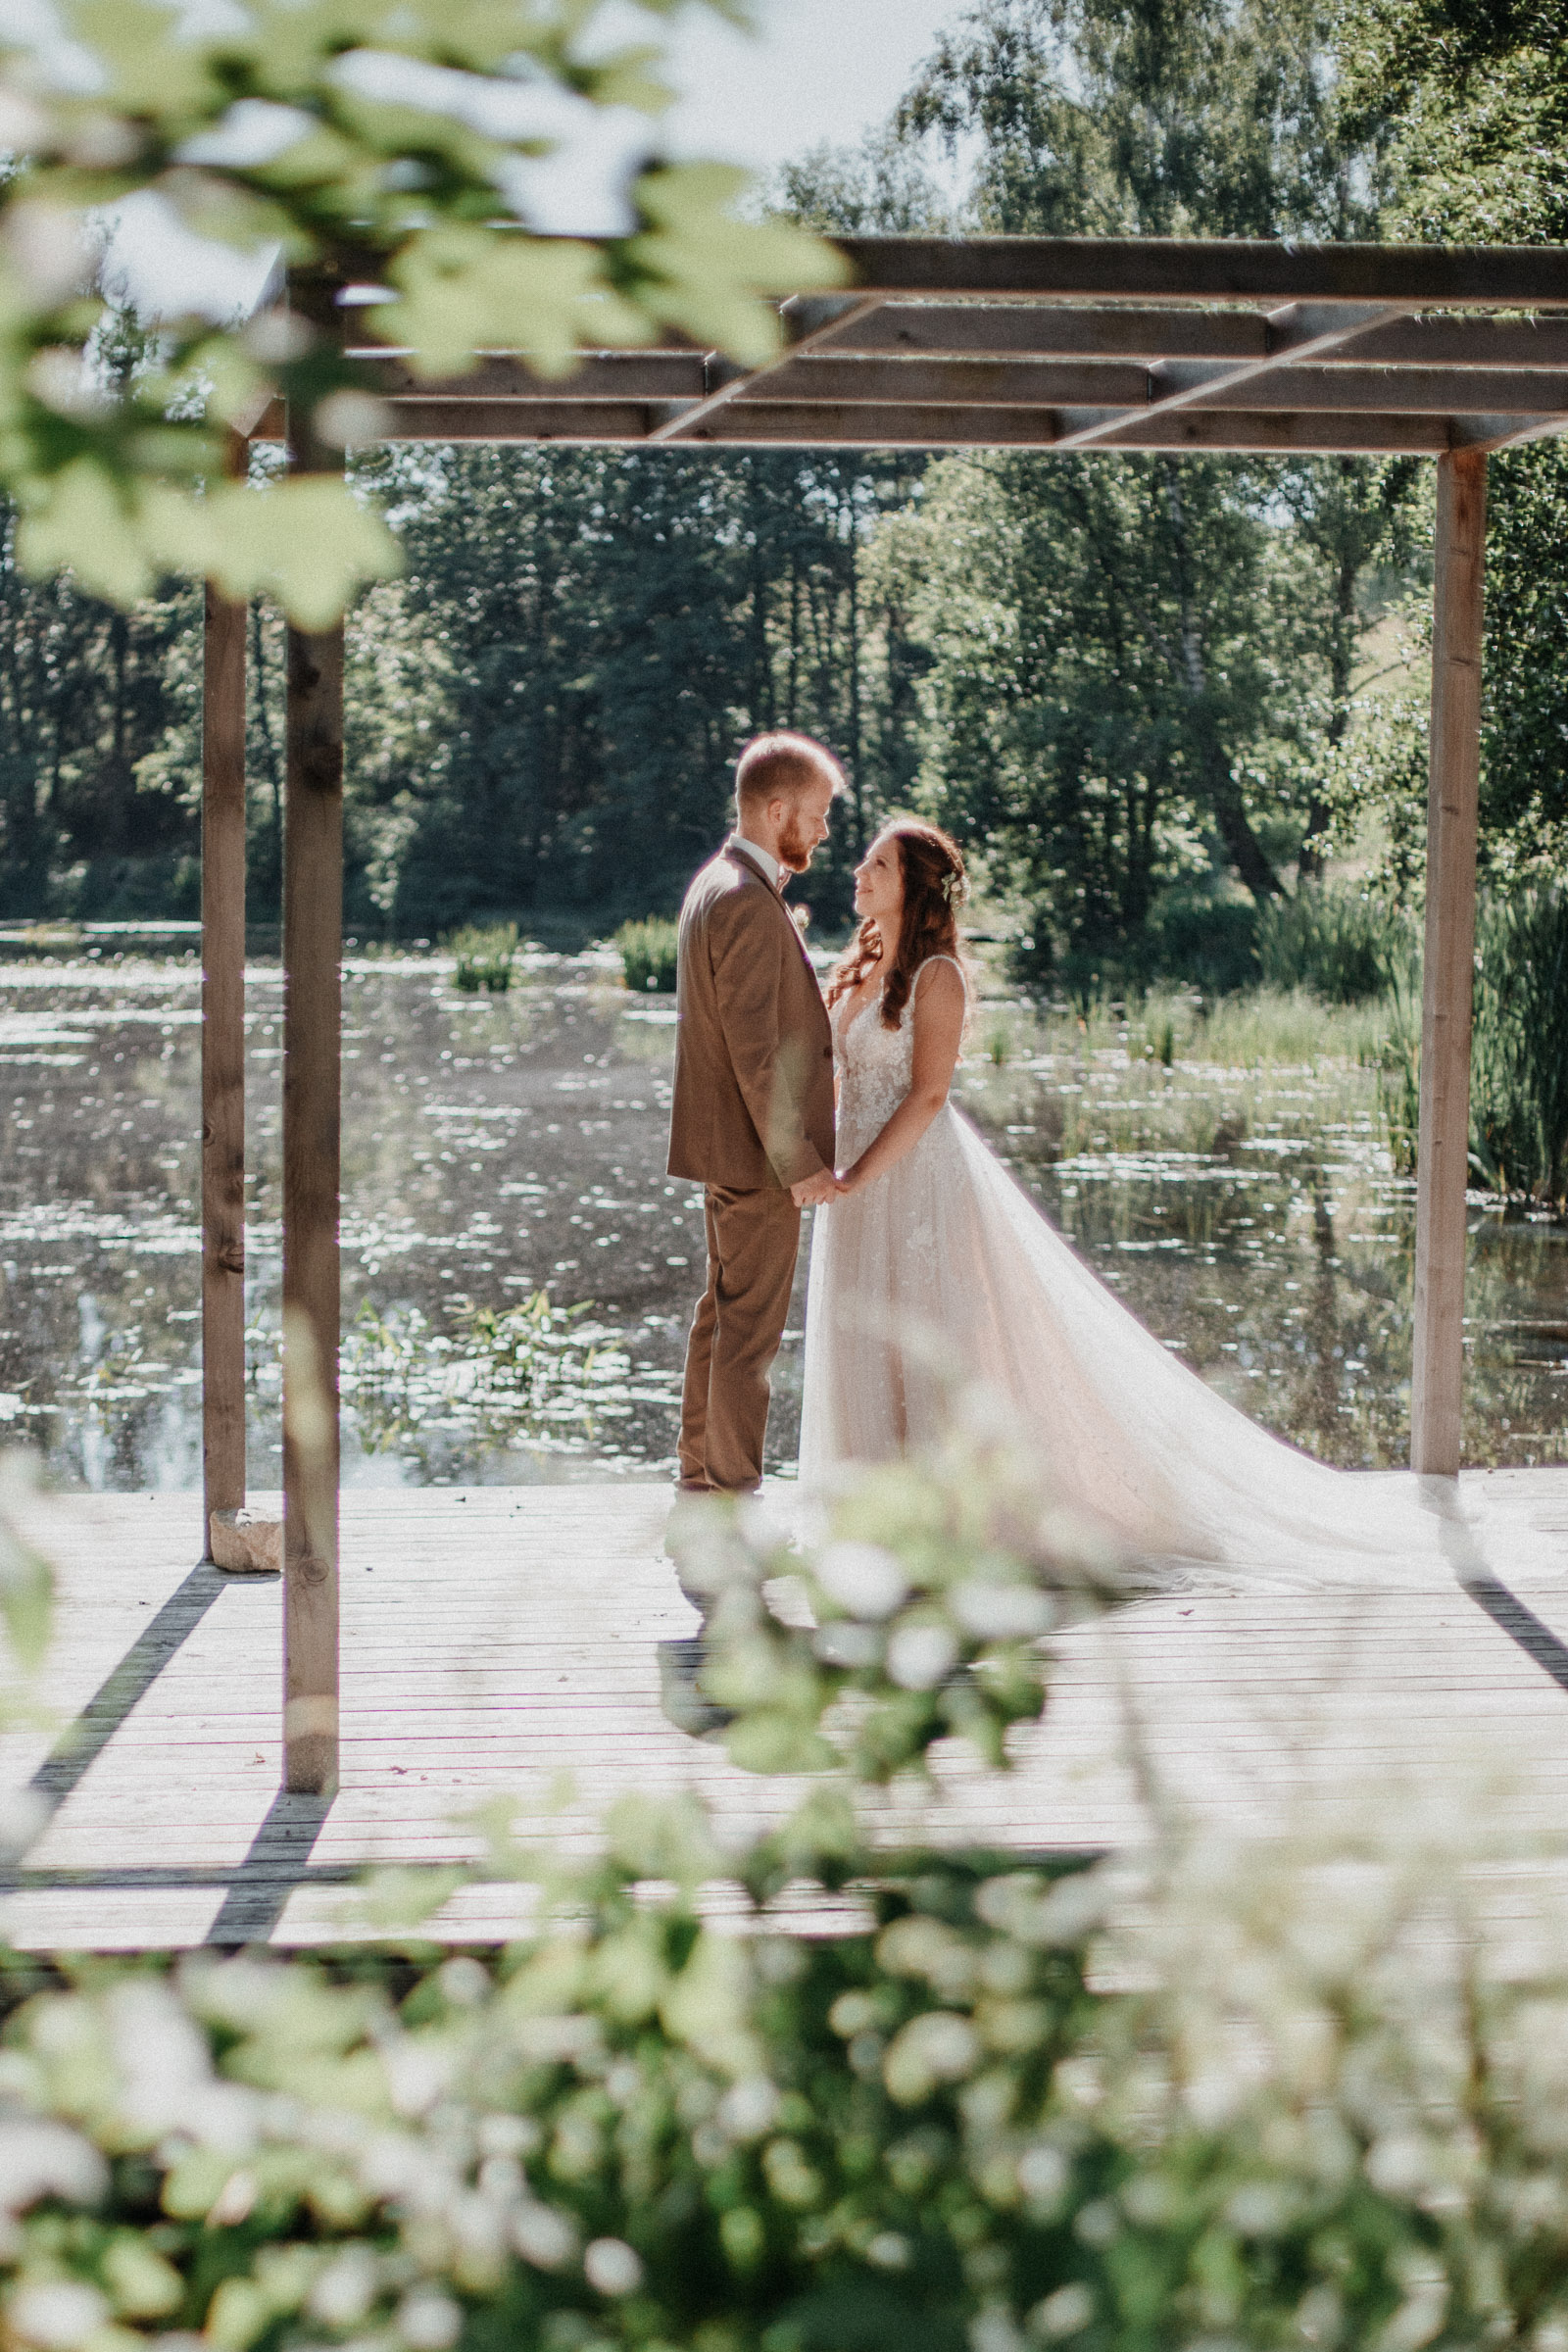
496 1148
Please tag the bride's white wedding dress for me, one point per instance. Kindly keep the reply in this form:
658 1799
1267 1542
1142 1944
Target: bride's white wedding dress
943 1273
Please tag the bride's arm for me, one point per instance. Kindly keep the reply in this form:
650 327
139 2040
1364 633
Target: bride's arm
938 1013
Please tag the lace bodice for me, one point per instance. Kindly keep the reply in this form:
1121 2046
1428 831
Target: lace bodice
874 1065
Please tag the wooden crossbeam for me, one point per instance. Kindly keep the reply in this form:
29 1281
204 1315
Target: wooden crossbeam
1000 384
1107 384
1046 330
853 425
1486 433
599 375
1337 432
1077 330
1303 331
850 425
519 421
1401 391
1461 343
865 425
1292 415
804 337
1191 269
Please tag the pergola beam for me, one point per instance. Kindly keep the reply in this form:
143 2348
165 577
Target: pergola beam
1193 269
313 946
1046 330
1442 1155
737 379
588 421
1332 432
987 383
222 1050
599 375
1303 331
1507 432
1073 330
851 424
1526 392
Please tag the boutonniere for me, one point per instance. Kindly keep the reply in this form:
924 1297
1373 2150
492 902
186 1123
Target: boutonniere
800 917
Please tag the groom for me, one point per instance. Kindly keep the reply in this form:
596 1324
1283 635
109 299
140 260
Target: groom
752 1118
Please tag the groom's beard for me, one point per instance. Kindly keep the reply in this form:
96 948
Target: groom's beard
795 849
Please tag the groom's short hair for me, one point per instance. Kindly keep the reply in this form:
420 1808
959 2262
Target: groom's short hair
781 765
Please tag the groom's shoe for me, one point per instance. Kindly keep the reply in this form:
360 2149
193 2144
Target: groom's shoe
680 1663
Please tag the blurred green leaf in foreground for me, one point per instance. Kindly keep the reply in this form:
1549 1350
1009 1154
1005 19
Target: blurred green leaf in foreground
384 145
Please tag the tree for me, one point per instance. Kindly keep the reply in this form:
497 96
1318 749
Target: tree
1351 516
98 753
1147 118
1079 716
544 714
1127 117
1477 100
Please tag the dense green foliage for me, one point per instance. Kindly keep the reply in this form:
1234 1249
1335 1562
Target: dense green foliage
1519 1082
589 637
98 756
1129 683
541 718
1121 678
1342 944
1470 105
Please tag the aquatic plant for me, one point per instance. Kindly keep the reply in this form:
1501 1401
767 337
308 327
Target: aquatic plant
1339 941
648 954
1519 1074
534 1371
485 953
1398 1062
999 1043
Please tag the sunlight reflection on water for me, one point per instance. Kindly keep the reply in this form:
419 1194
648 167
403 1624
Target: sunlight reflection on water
494 1147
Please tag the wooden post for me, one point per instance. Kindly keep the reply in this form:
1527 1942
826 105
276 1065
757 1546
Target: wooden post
222 1053
312 927
1437 1379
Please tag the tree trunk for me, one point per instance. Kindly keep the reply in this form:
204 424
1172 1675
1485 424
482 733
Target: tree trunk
1342 662
1220 785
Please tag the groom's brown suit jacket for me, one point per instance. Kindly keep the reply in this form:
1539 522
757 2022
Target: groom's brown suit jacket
754 1052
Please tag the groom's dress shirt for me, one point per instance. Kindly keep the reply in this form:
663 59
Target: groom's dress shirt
753 1104
772 871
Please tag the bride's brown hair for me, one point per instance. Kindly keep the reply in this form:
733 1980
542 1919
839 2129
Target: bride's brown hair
935 887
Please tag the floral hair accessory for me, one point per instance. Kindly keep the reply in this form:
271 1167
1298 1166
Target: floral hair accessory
955 888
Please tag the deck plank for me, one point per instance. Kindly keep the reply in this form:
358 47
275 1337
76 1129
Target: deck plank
498 1640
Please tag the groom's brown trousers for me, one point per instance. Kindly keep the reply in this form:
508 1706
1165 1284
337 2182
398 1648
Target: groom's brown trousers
753 1238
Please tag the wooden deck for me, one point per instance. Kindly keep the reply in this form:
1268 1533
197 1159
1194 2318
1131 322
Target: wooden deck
497 1640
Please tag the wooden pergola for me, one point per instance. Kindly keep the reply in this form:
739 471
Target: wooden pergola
1007 342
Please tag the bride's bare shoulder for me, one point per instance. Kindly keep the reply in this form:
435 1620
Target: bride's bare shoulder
940 983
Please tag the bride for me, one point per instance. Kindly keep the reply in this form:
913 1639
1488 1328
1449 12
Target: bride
932 1271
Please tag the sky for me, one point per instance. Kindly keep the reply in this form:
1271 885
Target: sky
814 70
820 69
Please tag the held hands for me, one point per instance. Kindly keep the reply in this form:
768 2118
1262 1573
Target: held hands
814 1192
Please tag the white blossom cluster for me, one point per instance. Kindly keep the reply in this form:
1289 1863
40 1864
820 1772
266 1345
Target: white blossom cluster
913 1612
